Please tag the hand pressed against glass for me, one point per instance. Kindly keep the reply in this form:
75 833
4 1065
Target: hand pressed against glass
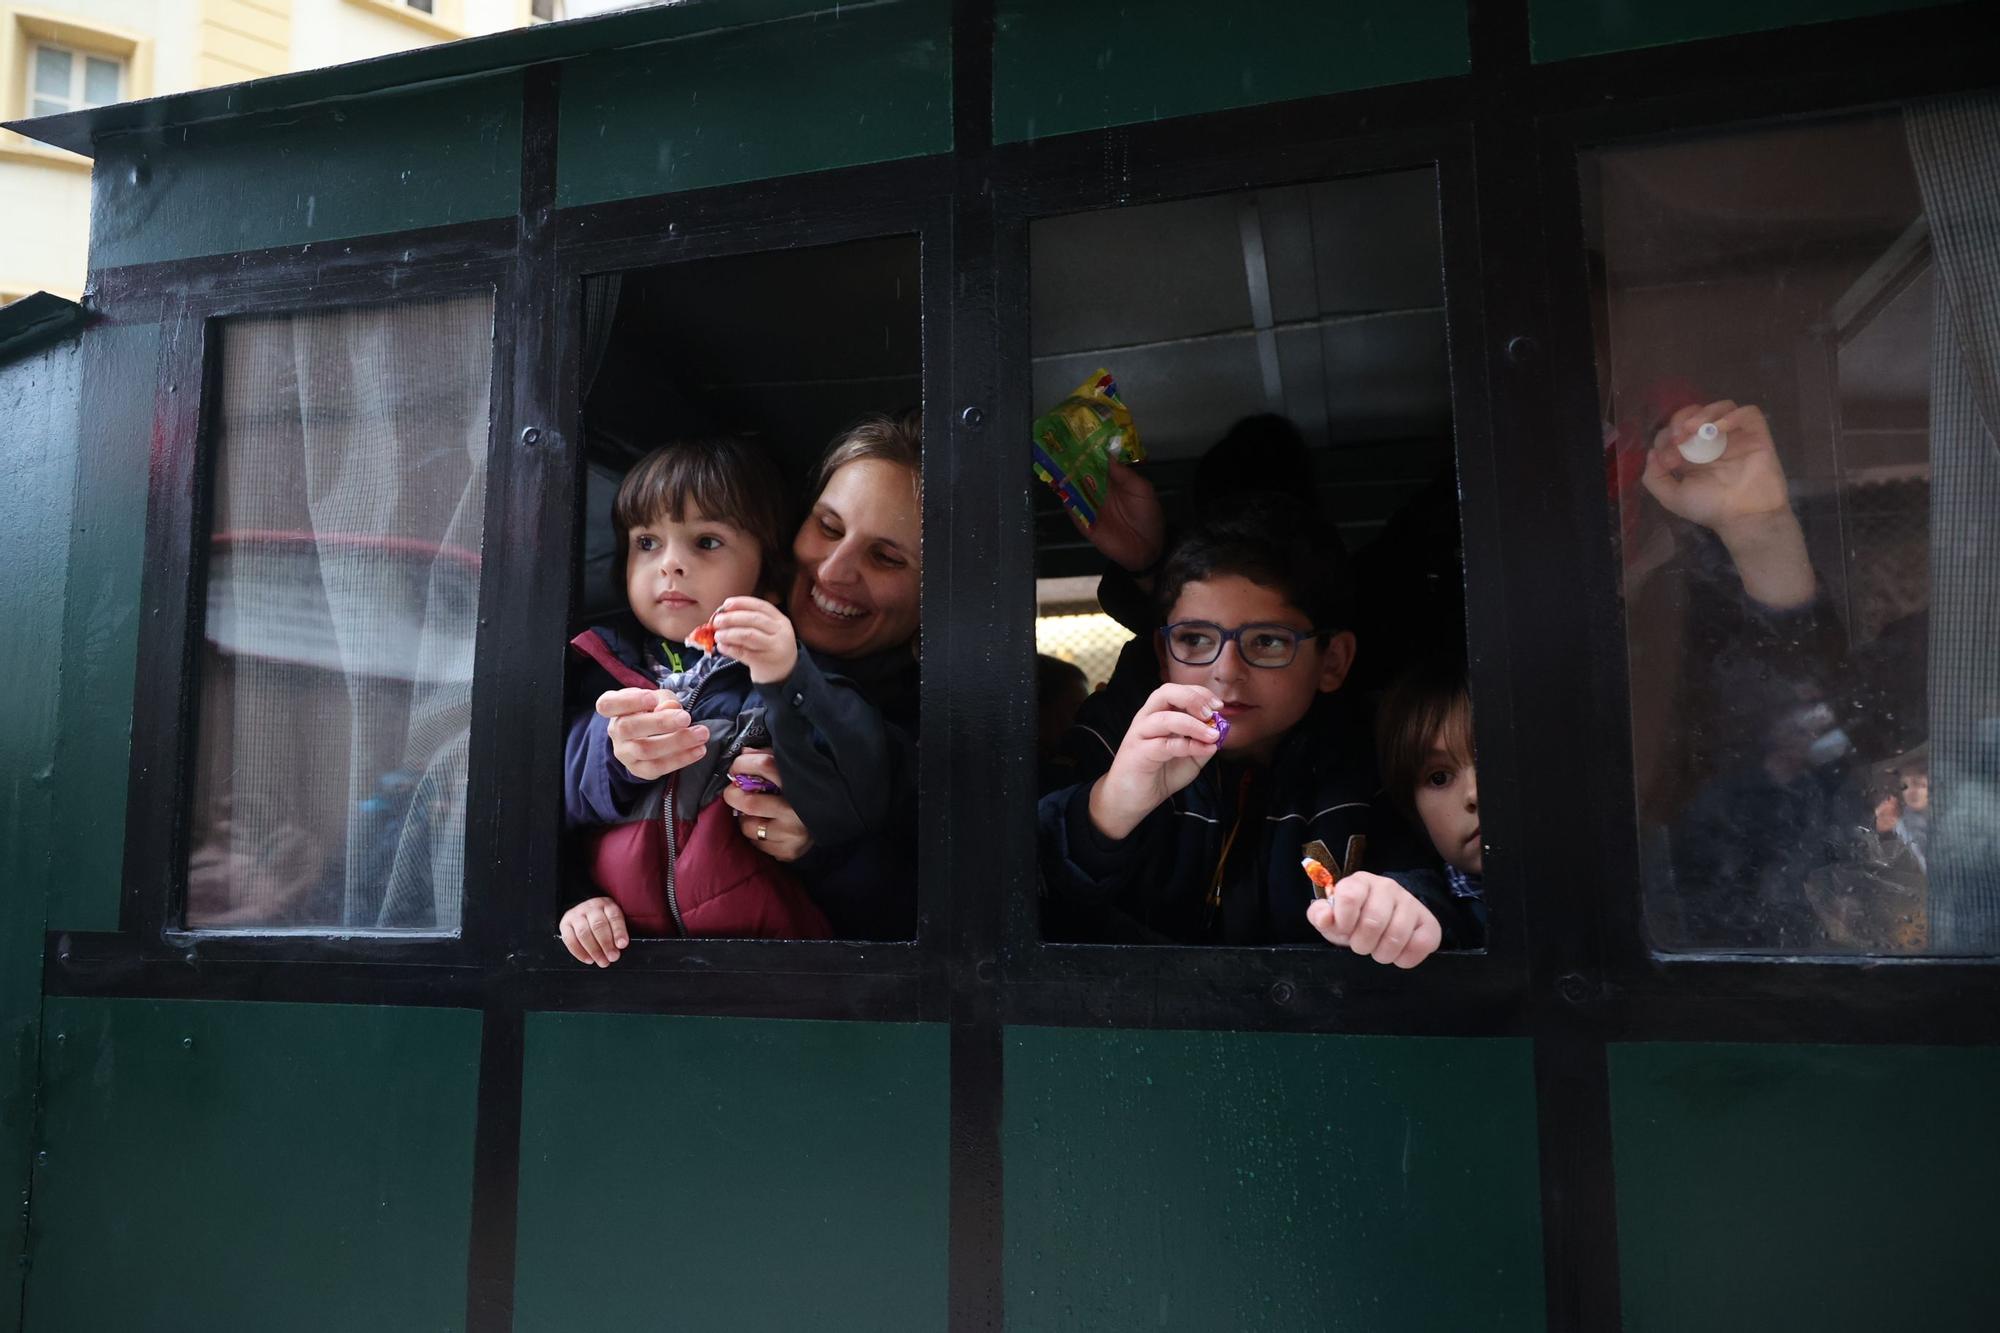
859 559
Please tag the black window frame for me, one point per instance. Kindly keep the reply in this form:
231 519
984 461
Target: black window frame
1652 992
165 725
1283 988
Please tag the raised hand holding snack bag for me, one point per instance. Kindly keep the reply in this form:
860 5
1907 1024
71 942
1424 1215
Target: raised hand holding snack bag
1073 443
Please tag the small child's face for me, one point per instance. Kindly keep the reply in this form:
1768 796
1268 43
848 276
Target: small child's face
678 571
1448 795
1261 703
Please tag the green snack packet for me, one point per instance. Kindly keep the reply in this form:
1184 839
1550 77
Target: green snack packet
1073 444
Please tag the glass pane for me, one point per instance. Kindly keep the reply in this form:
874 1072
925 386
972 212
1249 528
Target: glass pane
52 67
1811 585
44 106
1290 391
100 81
343 594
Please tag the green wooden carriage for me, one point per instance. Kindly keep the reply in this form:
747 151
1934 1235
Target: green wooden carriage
1397 223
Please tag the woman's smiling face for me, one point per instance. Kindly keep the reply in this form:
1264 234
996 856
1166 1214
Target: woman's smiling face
860 558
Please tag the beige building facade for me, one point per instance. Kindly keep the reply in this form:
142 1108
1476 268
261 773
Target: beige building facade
61 55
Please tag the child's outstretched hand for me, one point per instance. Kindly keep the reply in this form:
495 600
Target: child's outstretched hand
1166 745
1376 916
650 732
758 635
594 931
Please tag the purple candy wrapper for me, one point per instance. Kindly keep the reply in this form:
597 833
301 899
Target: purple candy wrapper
1221 725
751 782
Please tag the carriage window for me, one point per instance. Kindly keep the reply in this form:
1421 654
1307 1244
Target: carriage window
1281 353
1796 354
342 601
751 432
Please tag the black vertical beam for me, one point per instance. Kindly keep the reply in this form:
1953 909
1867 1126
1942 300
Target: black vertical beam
511 851
1544 478
985 712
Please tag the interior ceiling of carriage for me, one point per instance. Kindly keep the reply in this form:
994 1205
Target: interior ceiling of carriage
1323 303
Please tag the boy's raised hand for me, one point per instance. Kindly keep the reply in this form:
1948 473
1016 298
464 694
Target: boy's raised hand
1376 916
758 635
1166 745
594 931
650 732
1741 497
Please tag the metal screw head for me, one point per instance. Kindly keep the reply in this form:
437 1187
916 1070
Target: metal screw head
1573 987
1282 993
1521 349
973 417
187 1043
532 436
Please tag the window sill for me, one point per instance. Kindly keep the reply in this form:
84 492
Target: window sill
19 148
413 18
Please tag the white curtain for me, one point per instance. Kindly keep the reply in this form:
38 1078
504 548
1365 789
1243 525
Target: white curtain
1955 144
343 596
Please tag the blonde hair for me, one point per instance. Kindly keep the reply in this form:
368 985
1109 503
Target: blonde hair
895 439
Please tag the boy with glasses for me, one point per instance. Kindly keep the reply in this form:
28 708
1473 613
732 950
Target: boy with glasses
1194 831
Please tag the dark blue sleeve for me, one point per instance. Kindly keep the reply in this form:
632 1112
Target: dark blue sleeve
597 789
1081 864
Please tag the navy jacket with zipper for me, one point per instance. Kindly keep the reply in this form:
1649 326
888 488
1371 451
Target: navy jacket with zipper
1155 884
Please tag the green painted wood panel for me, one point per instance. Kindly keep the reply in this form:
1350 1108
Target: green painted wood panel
1566 28
1216 1180
105 542
1810 1187
356 168
38 400
1060 66
847 86
253 1166
720 1173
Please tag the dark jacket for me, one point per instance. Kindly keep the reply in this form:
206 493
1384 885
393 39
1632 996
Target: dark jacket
843 733
863 722
666 850
1155 885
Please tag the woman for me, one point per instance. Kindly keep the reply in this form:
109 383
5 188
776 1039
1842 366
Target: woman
854 604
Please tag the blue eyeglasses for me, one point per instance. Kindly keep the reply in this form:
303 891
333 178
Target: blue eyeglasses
1200 642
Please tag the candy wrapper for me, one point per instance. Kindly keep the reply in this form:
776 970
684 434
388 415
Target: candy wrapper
1073 443
752 783
703 637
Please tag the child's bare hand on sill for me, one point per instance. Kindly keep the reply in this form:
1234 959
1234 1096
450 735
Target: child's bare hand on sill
650 732
759 635
1166 745
1375 916
594 931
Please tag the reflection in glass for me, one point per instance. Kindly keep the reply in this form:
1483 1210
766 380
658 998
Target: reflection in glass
1816 703
342 603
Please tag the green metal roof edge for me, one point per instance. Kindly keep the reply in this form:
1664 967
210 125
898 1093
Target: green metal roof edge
33 322
447 62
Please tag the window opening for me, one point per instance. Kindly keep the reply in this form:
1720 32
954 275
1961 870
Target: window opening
342 604
1282 353
739 385
1812 579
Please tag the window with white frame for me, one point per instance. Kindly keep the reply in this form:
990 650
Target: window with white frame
65 79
